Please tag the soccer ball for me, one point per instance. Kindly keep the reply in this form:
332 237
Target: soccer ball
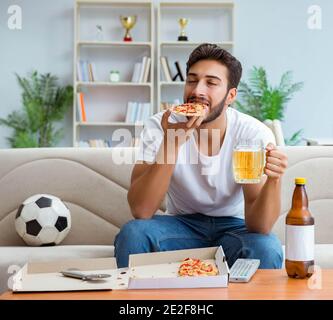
43 220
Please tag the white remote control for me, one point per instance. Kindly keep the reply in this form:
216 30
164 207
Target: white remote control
243 270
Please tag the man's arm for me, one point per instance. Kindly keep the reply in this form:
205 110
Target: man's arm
263 201
150 182
262 205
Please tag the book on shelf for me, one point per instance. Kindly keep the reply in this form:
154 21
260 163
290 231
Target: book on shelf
143 112
86 71
146 71
98 143
136 72
84 66
179 73
94 72
166 69
141 70
137 112
130 112
91 76
81 107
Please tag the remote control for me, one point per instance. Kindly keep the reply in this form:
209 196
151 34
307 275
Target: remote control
243 270
85 277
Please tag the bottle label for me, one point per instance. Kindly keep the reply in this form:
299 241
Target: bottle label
300 243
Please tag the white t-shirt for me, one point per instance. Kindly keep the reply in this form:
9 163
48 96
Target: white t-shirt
200 183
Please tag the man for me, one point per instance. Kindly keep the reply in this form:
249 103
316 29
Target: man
204 204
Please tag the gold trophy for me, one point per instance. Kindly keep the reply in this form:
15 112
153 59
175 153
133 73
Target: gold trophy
128 23
183 23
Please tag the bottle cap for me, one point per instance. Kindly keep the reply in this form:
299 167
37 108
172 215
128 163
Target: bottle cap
300 181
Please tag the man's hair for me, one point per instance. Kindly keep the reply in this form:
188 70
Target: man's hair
208 51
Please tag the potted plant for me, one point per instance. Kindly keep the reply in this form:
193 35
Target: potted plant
44 103
265 102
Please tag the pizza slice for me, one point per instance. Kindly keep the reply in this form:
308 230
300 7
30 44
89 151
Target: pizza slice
190 109
196 267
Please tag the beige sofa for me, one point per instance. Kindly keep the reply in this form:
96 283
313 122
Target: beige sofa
94 182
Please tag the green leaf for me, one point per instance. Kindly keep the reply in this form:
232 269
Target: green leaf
258 80
263 101
285 81
295 139
15 120
44 102
24 140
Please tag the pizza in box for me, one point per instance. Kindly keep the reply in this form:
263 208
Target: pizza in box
196 267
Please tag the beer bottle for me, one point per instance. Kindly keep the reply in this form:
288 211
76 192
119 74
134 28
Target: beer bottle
299 234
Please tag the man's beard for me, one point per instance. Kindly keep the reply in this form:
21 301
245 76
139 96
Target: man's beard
215 113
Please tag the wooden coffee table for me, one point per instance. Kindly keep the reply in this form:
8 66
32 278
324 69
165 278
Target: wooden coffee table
265 285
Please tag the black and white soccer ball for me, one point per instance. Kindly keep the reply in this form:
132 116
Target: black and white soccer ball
43 220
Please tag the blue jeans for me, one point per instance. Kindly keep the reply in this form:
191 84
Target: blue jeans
164 233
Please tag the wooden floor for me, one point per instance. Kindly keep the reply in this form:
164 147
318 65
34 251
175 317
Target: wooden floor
265 284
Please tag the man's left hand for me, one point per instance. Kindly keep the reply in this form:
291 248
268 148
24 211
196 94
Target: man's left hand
276 162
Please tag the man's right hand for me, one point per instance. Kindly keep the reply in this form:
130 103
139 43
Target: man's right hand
181 130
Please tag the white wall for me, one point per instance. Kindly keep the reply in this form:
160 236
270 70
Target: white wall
271 33
45 43
274 34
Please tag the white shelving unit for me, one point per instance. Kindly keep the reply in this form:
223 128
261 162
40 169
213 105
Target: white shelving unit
110 84
211 21
113 43
105 101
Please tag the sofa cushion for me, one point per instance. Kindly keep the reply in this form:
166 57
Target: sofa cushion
324 256
13 258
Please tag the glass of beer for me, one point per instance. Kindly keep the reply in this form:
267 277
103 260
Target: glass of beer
248 161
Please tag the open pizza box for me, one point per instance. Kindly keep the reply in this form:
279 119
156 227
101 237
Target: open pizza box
155 270
160 269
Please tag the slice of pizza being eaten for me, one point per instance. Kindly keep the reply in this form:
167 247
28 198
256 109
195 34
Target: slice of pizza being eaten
196 267
190 109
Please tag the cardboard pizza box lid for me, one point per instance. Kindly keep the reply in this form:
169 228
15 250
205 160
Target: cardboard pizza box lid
158 270
46 276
